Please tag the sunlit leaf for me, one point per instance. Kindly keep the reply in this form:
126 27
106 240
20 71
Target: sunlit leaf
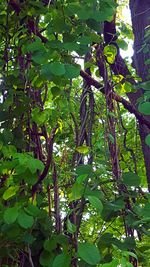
127 87
10 192
110 51
83 149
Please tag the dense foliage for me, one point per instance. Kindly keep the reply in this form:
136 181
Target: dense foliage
73 180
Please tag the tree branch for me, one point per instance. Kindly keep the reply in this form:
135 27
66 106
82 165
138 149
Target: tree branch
15 6
127 105
48 163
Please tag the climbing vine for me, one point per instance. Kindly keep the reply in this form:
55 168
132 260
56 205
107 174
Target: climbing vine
74 190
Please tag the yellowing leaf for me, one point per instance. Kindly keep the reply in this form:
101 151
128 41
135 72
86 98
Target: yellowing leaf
117 78
127 87
83 149
10 192
110 51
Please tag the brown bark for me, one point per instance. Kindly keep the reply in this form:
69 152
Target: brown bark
142 10
140 14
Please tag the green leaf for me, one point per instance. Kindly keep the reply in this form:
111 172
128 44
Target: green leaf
46 259
93 24
147 140
85 40
119 244
111 138
146 95
94 37
71 228
76 192
28 239
25 221
105 240
57 68
128 264
89 253
50 69
106 12
131 179
117 204
144 85
10 215
124 262
72 71
63 240
1 145
10 192
84 169
122 44
108 213
37 45
113 263
83 149
56 91
129 242
50 244
27 161
143 221
96 203
8 150
40 57
81 178
35 164
71 46
32 210
46 71
129 253
143 211
39 116
62 260
144 108
147 61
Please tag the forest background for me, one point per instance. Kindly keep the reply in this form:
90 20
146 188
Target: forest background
74 133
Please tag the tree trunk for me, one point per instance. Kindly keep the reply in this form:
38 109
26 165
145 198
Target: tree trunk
140 14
